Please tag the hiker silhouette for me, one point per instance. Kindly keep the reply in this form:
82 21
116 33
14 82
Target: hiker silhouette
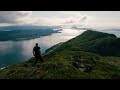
37 54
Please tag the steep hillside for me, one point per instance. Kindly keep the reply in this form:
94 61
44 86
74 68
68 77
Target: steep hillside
79 58
92 41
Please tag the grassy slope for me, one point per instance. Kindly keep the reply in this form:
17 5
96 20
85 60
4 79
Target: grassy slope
70 61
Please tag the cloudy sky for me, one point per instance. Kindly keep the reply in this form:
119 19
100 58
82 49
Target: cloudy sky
88 18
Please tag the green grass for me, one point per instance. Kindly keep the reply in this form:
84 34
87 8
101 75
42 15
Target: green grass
61 67
74 59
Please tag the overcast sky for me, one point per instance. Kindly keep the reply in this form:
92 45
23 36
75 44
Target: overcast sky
90 18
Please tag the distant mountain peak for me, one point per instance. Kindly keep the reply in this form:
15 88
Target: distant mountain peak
96 34
95 42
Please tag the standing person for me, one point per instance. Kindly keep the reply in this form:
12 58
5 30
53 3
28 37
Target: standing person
37 54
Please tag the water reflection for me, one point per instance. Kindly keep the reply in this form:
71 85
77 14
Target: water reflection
19 51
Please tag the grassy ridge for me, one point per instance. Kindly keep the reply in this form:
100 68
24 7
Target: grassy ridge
78 58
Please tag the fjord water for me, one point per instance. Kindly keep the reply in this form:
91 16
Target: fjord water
19 51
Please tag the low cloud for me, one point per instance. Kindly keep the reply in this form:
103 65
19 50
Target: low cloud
79 19
25 18
83 18
14 16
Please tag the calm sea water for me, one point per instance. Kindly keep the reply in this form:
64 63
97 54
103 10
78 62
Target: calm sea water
12 52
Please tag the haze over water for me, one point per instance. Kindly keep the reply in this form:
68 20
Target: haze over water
19 51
